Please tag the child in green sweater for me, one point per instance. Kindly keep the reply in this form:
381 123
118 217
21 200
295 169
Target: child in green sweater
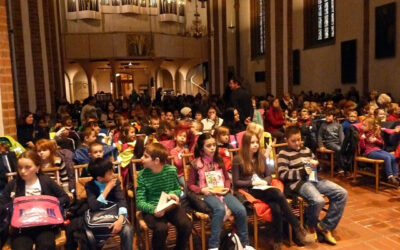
154 179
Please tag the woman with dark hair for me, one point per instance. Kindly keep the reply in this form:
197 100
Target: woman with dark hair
232 121
108 117
275 120
26 130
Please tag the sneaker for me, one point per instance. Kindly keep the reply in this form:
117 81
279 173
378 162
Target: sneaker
313 232
304 237
327 235
392 180
277 246
249 248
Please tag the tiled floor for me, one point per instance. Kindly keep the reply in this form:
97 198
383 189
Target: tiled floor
370 221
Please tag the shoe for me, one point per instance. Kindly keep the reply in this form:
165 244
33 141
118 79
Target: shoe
313 232
304 237
277 246
327 235
340 173
392 180
249 248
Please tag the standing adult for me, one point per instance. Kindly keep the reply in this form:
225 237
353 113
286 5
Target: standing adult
88 109
240 99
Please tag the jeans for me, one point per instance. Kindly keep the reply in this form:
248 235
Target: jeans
126 236
218 214
337 195
280 209
177 217
338 156
391 167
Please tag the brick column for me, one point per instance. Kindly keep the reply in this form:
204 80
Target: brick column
7 126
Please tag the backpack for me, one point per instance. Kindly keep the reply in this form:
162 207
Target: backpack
230 241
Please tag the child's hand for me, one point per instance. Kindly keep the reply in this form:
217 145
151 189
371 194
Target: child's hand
363 136
111 184
117 225
174 197
372 139
308 170
313 163
205 190
70 195
159 214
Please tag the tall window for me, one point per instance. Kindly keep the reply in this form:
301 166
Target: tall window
257 10
319 22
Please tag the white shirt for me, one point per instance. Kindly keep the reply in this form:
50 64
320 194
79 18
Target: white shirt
34 189
208 124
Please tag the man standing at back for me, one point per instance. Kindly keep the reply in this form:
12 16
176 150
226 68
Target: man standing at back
240 100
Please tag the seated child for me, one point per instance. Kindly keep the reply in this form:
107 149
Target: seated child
330 136
156 177
81 155
295 164
105 188
371 143
393 112
177 151
352 118
221 135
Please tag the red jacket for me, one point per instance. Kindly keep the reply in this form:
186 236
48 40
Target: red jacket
392 117
274 119
367 146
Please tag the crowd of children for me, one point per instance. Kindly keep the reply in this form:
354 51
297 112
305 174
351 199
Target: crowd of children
102 133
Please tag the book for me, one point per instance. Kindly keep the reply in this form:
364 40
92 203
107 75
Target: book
263 187
165 203
214 179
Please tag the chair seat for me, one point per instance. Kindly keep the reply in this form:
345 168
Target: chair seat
61 239
368 160
325 150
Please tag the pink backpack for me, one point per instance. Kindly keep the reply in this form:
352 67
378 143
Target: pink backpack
36 210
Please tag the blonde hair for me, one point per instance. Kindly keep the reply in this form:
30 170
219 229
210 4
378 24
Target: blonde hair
246 157
255 128
371 123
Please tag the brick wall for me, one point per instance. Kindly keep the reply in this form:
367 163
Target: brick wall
6 83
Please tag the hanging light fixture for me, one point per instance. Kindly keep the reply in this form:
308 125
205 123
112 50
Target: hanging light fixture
197 28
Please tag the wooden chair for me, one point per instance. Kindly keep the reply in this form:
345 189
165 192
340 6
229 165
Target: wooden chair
78 170
331 156
55 171
141 225
112 242
377 165
61 238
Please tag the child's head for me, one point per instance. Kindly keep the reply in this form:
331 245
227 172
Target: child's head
176 114
128 133
88 135
28 165
255 128
198 116
329 115
352 116
329 104
96 150
180 137
169 128
163 116
306 105
46 150
368 124
293 137
186 112
370 109
252 158
169 116
155 122
205 146
101 170
222 134
380 115
305 114
197 127
211 113
293 114
154 154
94 125
393 108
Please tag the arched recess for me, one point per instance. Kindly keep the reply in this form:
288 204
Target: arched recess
195 79
80 86
180 84
101 80
164 79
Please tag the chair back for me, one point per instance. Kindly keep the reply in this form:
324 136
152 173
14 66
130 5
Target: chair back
55 171
78 170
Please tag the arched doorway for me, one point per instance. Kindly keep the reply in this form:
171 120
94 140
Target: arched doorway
125 84
165 79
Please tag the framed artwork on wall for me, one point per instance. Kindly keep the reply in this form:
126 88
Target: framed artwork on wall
349 61
385 31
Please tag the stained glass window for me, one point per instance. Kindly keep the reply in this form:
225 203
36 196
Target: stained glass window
258 27
325 19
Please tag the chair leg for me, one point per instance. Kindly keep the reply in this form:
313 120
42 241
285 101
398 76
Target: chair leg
355 171
255 229
203 234
376 177
147 239
301 211
290 234
191 242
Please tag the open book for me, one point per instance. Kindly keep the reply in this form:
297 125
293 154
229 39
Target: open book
255 177
165 203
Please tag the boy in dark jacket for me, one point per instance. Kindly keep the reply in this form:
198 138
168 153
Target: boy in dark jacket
106 188
330 136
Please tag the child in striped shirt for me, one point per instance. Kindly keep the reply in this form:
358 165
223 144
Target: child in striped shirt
154 179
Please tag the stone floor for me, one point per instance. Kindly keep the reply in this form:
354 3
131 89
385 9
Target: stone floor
370 221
